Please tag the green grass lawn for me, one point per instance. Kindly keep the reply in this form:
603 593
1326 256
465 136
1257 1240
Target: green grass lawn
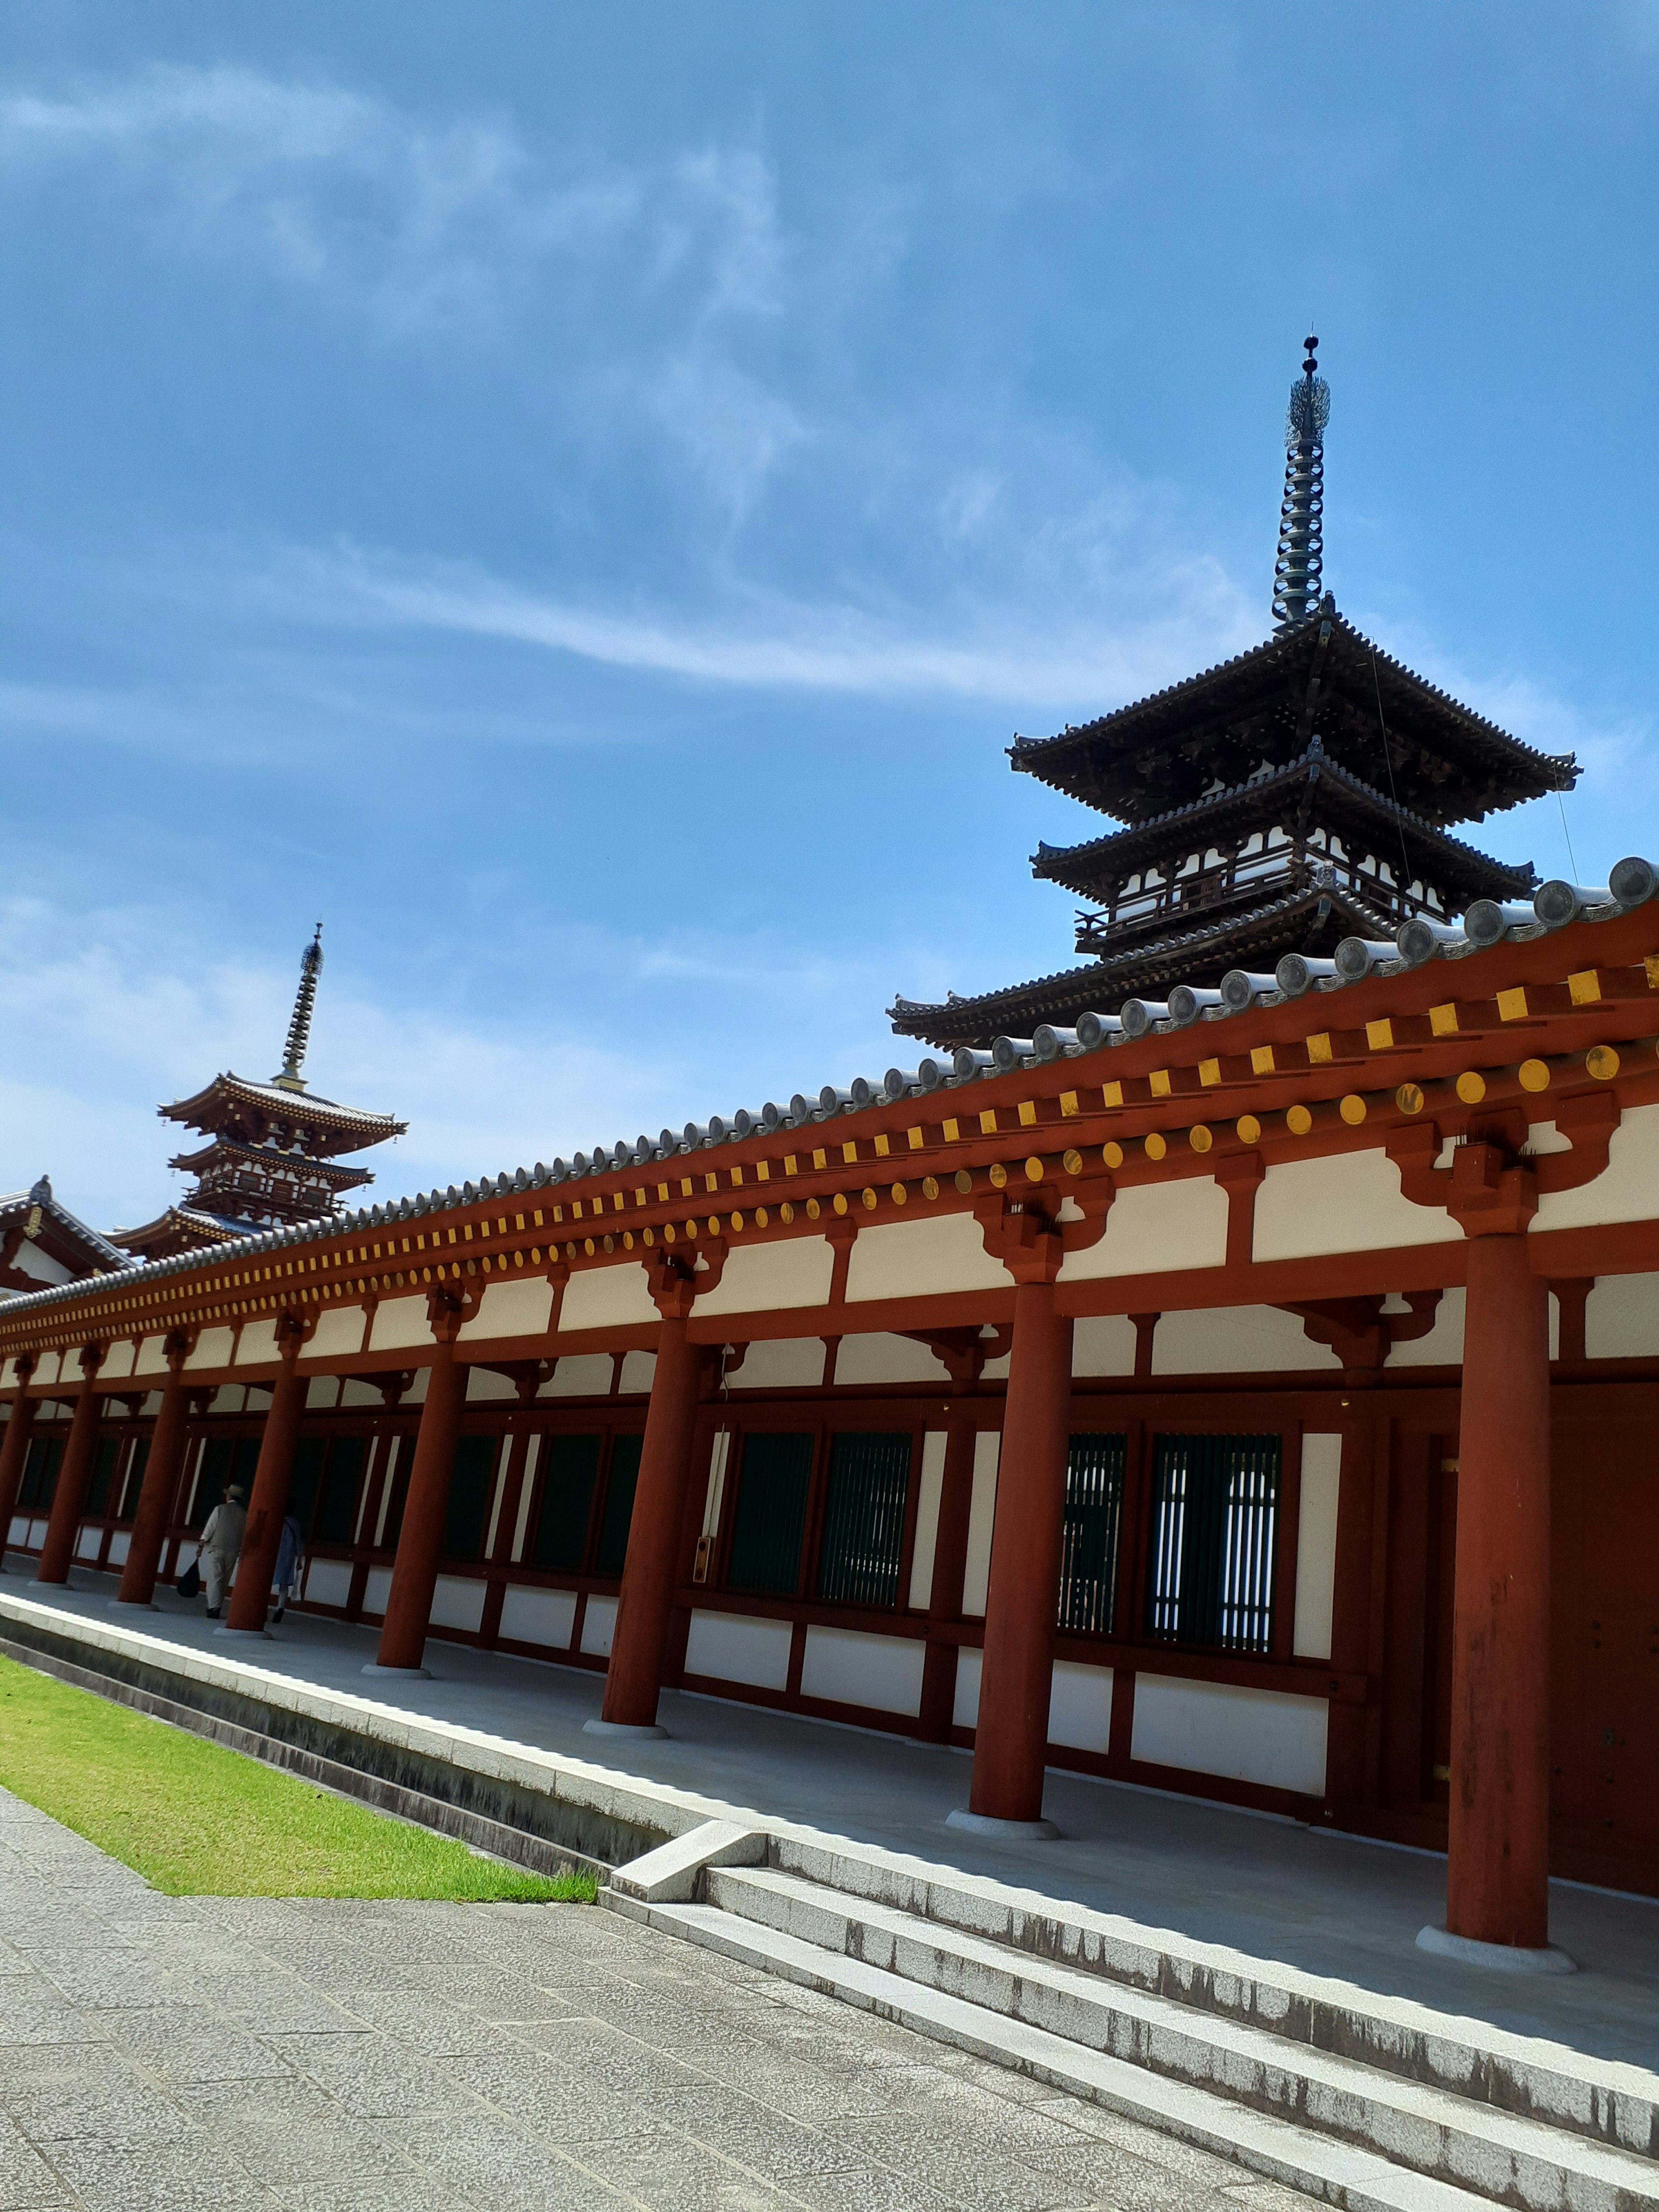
197 1820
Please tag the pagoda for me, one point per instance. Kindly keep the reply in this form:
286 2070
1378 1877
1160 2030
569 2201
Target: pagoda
1302 794
272 1156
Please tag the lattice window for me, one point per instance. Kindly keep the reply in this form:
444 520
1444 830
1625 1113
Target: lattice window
570 1467
769 1520
863 1519
1089 1541
1215 1513
39 1482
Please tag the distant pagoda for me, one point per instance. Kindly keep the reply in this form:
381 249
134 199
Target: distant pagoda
271 1160
1299 794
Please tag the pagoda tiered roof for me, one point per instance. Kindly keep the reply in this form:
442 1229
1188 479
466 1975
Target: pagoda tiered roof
1322 678
234 1105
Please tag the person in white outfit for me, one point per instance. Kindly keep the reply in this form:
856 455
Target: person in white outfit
221 1545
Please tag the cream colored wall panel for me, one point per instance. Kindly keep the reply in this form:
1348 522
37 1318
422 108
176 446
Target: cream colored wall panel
338 1335
398 1323
928 1505
782 1363
599 1626
377 1588
523 1307
1102 1344
727 1647
964 1710
982 1517
607 1297
415 1393
88 1541
328 1582
212 1349
767 1278
322 1390
1264 1736
1347 1202
1443 1345
581 1375
1235 1340
887 1359
484 1388
18 1534
49 1366
354 1392
1627 1188
1621 1318
846 1667
539 1616
257 1344
639 1372
1154 1228
1080 1707
929 1255
118 1361
231 1398
457 1602
1315 1545
119 1545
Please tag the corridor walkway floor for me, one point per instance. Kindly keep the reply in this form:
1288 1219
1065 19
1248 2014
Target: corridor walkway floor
1329 1904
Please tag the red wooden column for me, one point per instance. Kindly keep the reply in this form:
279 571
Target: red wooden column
250 1597
74 1475
1498 1867
166 1453
633 1679
14 1452
415 1570
1016 1673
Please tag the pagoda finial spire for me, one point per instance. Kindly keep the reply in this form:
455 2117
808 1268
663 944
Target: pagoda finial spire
1298 575
299 1028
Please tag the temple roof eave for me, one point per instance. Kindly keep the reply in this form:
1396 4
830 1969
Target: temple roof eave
352 1127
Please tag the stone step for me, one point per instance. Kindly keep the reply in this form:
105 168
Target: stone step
1343 2174
1450 2139
1609 2101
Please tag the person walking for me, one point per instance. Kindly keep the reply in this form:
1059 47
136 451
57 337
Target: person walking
221 1546
290 1562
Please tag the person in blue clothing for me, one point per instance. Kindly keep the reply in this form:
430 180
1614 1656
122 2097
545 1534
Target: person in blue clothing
290 1563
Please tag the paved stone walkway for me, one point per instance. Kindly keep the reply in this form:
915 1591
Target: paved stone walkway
166 2054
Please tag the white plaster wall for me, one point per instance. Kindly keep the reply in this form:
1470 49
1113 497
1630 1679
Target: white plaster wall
1627 1189
927 1503
639 1372
212 1349
29 1260
117 1362
323 1390
328 1582
848 1668
230 1397
539 1616
1621 1318
119 1545
783 1363
766 1277
1315 1545
599 1626
1156 1227
981 1515
415 1393
580 1375
522 1307
1232 1340
354 1392
18 1533
1443 1345
86 1542
1264 1736
376 1590
49 1366
1080 1707
964 1712
255 1346
1346 1202
482 1387
339 1332
926 1257
399 1321
1102 1344
607 1297
526 1493
887 1359
729 1648
457 1602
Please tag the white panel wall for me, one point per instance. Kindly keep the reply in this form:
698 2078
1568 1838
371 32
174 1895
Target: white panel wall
766 1278
522 1307
322 1390
1263 1736
1102 1344
399 1322
1627 1189
927 1257
1346 1202
981 1515
255 1346
582 1375
964 1713
328 1582
539 1616
639 1372
1621 1318
483 1385
599 1626
848 1668
117 1362
1315 1545
784 1363
728 1648
1235 1339
376 1590
1080 1707
607 1297
928 1505
1443 1345
354 1392
212 1349
86 1542
457 1602
339 1331
1155 1227
119 1545
887 1359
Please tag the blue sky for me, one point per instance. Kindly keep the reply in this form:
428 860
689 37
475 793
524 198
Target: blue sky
580 499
